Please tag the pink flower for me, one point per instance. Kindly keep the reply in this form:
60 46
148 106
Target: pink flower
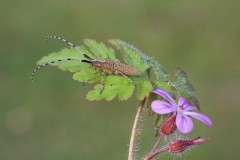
182 109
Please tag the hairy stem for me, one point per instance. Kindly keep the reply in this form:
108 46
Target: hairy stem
135 131
157 143
152 155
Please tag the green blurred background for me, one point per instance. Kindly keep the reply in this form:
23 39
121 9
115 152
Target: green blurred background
51 118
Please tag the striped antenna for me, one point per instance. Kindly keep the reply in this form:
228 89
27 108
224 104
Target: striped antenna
46 64
61 39
67 42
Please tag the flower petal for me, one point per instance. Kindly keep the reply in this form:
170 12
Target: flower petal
182 101
188 107
185 104
165 95
201 117
184 123
161 107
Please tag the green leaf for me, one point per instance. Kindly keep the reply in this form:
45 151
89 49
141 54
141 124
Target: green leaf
159 73
114 85
84 75
166 86
184 87
144 87
131 55
100 50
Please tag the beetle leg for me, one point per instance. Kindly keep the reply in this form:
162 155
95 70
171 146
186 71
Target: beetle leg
87 80
102 82
127 78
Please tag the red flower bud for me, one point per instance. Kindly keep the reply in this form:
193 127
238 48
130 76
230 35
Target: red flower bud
178 146
169 126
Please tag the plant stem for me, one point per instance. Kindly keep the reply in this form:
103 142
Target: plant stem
152 155
157 143
135 131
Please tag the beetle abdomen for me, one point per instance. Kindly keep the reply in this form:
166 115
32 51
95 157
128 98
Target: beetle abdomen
126 69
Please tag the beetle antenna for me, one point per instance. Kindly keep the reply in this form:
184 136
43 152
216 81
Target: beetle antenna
67 42
61 39
48 63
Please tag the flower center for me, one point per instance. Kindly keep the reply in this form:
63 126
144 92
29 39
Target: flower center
181 108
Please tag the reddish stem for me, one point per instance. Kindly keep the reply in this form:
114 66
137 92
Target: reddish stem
152 155
157 143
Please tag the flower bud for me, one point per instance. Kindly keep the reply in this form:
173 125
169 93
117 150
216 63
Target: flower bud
169 126
178 146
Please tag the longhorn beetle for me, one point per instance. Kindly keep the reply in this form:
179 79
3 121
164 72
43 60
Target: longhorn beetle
104 66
